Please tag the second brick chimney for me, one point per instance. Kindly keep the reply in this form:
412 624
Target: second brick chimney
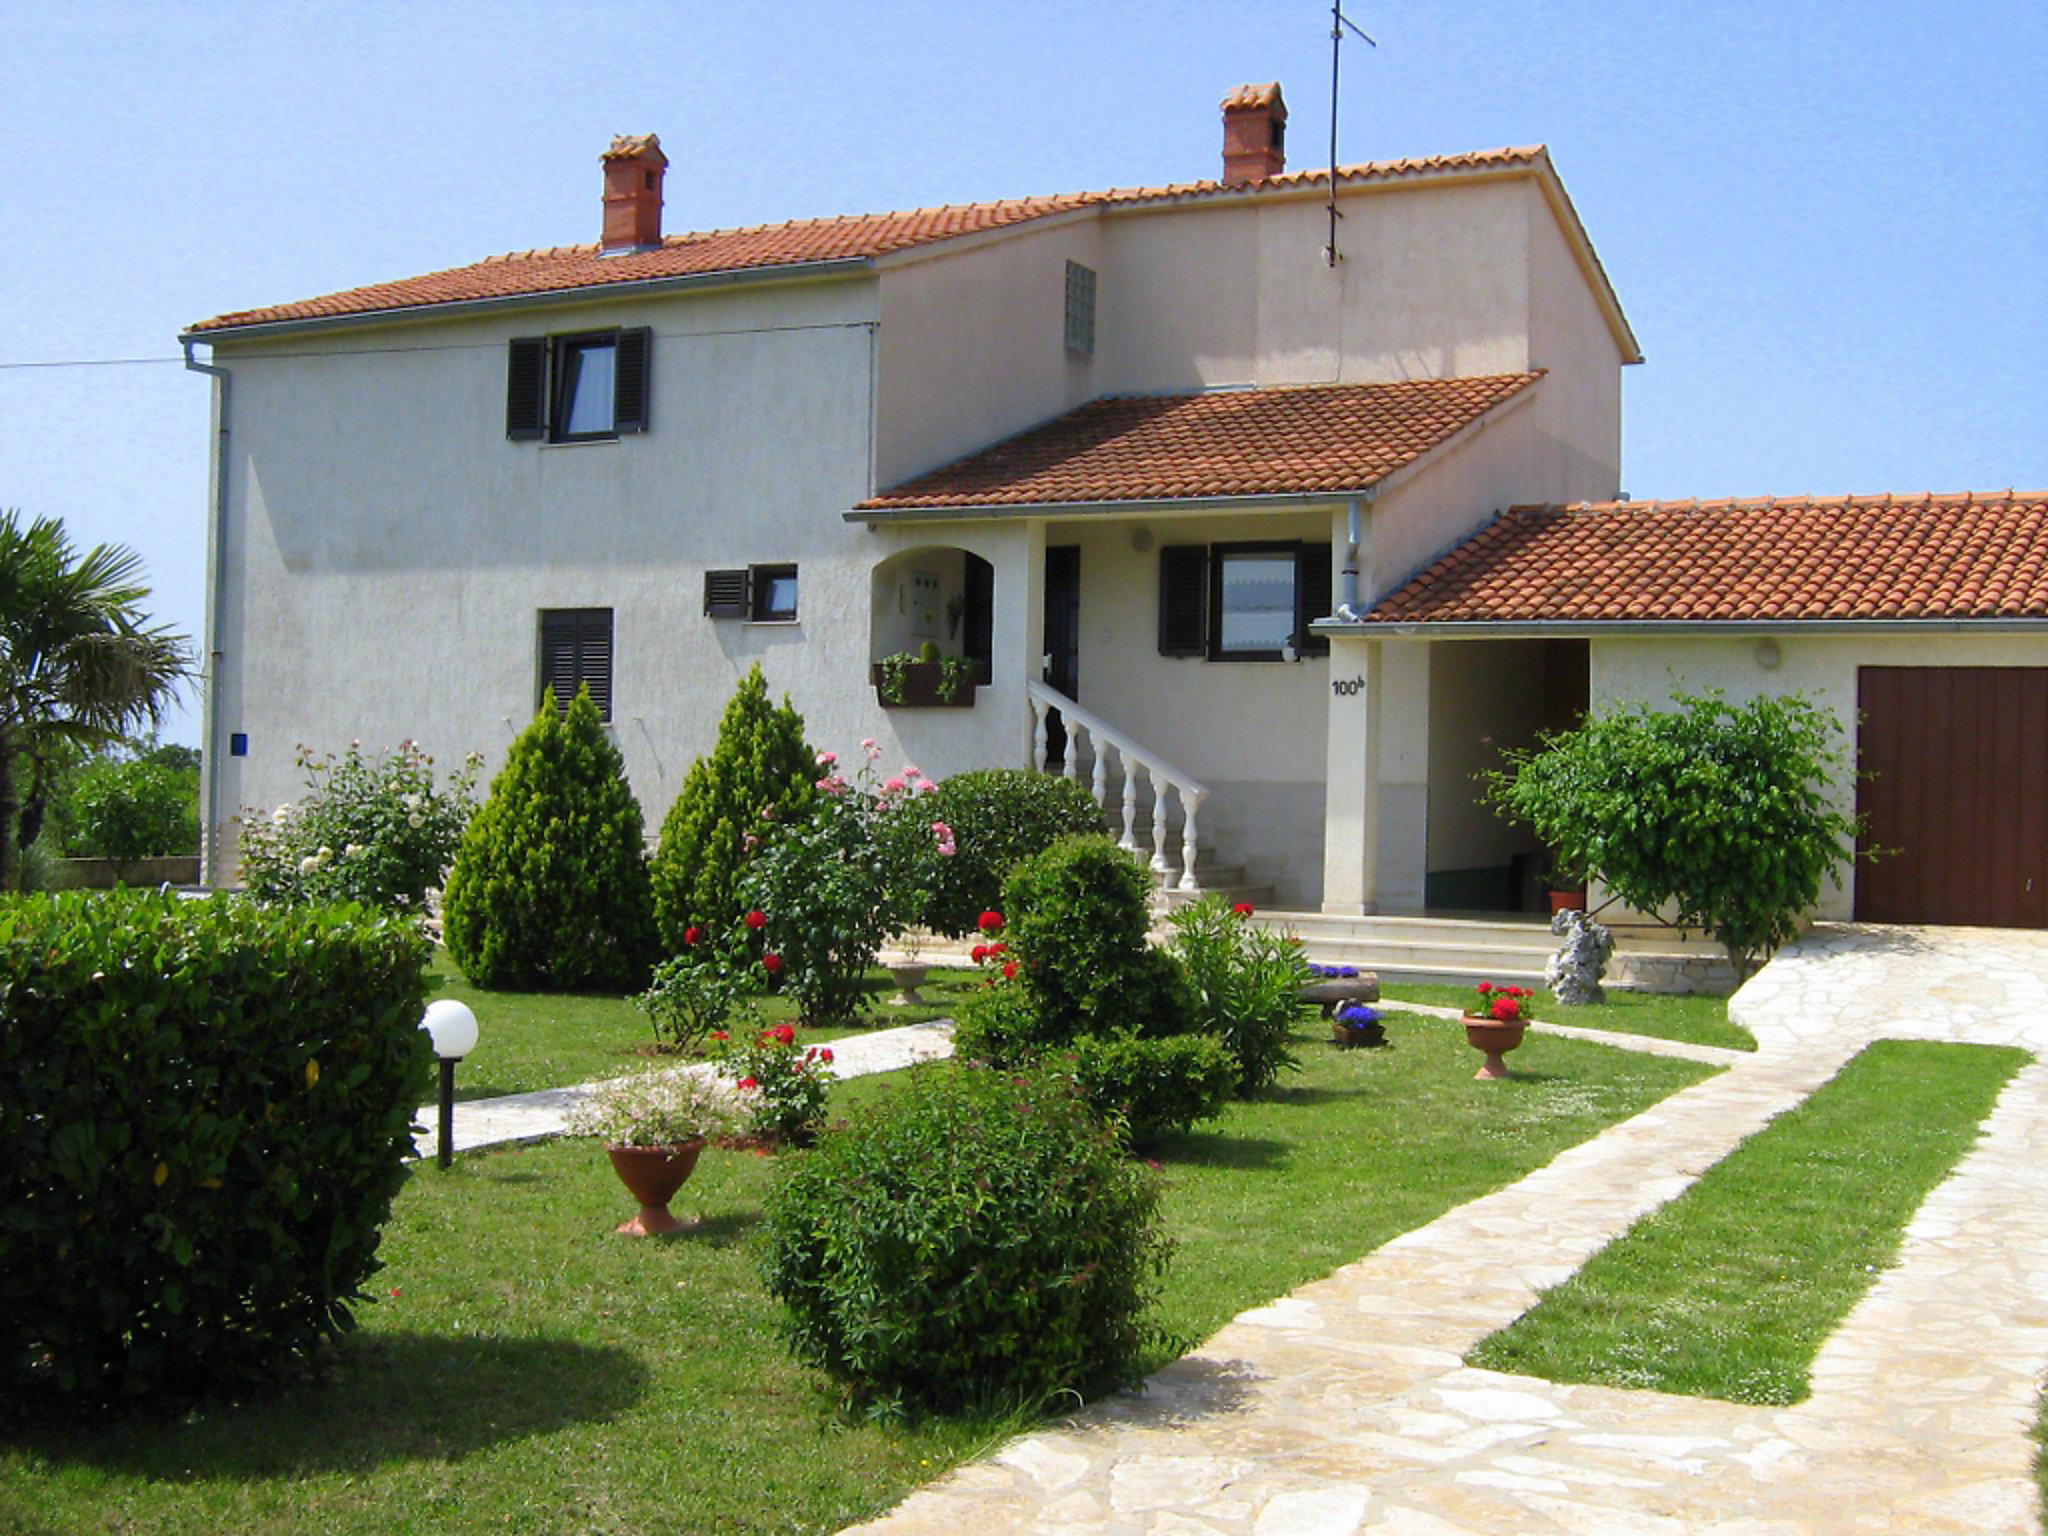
1254 133
633 169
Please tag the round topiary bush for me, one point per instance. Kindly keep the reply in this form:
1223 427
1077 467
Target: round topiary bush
999 817
549 890
205 1111
977 1240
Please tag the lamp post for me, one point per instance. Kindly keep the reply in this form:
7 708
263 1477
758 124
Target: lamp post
452 1028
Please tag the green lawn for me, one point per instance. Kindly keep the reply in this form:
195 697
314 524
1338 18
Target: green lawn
1730 1290
525 1371
1700 1020
531 1040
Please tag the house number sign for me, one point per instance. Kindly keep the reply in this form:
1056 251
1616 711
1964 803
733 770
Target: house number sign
1346 687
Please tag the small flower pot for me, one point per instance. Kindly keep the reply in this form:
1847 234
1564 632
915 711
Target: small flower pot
652 1175
1353 1036
1494 1038
908 979
1567 901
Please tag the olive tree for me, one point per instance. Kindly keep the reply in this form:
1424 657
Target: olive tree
1718 810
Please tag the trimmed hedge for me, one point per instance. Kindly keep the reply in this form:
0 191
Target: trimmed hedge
205 1111
975 1241
1158 1087
999 817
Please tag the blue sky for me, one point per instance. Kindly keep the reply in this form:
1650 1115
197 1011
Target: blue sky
1828 224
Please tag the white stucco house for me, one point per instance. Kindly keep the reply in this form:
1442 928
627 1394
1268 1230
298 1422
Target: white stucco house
1291 540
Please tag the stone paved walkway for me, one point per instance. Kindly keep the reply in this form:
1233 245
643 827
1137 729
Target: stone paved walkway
537 1116
1344 1408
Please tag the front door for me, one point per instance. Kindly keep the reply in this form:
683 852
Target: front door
1062 638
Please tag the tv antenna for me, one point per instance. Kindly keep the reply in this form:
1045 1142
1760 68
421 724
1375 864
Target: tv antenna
1339 23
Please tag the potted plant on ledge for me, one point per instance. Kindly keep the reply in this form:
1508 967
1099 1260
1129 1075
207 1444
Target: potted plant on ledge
925 679
653 1126
1497 1024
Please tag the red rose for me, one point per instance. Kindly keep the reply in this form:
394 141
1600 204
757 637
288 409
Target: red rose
757 918
990 922
692 935
1243 909
1506 1009
718 1034
998 949
749 1082
1010 971
771 962
783 1035
1485 987
825 1055
978 954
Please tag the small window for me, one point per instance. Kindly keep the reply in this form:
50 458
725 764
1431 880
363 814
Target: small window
577 389
1252 602
1243 602
584 382
575 651
774 593
1080 309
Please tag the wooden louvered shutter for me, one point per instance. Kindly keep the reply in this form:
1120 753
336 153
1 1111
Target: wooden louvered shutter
576 650
526 388
594 657
558 657
1184 600
631 363
725 594
1311 597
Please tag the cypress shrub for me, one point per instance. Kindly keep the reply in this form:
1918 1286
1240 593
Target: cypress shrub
549 891
999 817
205 1111
976 1240
760 765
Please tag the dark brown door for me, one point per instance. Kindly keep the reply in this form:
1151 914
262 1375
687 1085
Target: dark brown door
1954 786
1062 638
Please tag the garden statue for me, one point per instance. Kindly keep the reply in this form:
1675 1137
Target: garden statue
1573 973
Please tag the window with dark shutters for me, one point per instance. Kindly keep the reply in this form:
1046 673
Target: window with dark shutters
727 594
1184 600
1312 598
575 650
526 376
629 409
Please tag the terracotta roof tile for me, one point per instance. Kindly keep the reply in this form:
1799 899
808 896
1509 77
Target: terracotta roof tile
567 268
1249 442
1968 556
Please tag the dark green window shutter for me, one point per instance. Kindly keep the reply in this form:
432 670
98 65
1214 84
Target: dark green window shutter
1184 600
526 390
1311 597
575 650
726 594
629 380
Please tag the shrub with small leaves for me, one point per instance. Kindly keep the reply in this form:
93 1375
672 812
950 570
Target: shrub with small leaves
205 1111
700 989
1246 982
1000 817
1157 1087
372 828
977 1240
132 808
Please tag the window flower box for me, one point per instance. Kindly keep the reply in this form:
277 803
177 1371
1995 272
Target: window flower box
905 683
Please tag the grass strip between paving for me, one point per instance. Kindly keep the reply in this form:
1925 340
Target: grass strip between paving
1729 1291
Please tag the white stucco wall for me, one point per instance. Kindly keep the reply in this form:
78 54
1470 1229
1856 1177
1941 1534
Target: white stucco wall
1820 667
1576 447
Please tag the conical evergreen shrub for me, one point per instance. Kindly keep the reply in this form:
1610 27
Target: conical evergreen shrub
549 891
716 826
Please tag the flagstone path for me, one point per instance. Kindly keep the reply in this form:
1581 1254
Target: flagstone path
537 1116
1344 1409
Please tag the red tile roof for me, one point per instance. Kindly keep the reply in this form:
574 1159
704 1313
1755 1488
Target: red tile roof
1295 440
1972 556
562 269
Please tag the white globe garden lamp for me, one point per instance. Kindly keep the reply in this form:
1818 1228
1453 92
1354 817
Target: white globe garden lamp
452 1028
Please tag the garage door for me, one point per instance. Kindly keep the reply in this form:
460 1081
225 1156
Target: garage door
1955 780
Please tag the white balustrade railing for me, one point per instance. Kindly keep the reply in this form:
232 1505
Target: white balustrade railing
1104 741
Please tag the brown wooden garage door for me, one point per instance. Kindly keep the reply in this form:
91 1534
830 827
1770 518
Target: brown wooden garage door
1955 778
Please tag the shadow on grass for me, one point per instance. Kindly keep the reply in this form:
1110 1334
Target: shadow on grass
1299 1095
1214 1149
725 1230
382 1398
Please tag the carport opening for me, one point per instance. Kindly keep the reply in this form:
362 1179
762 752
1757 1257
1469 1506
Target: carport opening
1486 698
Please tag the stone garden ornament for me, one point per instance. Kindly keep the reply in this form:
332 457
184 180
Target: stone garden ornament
1573 973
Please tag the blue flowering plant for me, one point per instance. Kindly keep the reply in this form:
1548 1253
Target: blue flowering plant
1360 1024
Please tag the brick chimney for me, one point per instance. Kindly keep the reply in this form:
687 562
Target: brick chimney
633 168
1254 134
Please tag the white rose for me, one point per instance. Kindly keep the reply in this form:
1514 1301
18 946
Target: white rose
282 814
415 820
308 864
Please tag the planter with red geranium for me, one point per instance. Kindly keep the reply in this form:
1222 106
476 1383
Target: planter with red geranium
1496 1025
654 1125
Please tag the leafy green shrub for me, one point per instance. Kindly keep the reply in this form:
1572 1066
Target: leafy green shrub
757 780
205 1112
1718 810
132 808
1077 916
549 890
697 991
977 1239
1247 983
781 1085
999 817
373 829
1157 1087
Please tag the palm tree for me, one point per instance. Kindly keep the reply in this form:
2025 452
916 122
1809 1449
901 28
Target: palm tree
79 665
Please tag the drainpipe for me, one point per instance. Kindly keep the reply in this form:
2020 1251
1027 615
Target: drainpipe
217 539
1354 535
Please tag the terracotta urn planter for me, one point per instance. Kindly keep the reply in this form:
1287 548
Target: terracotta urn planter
652 1175
1494 1038
908 977
1567 901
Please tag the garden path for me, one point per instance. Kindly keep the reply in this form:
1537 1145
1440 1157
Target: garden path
539 1115
1345 1409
